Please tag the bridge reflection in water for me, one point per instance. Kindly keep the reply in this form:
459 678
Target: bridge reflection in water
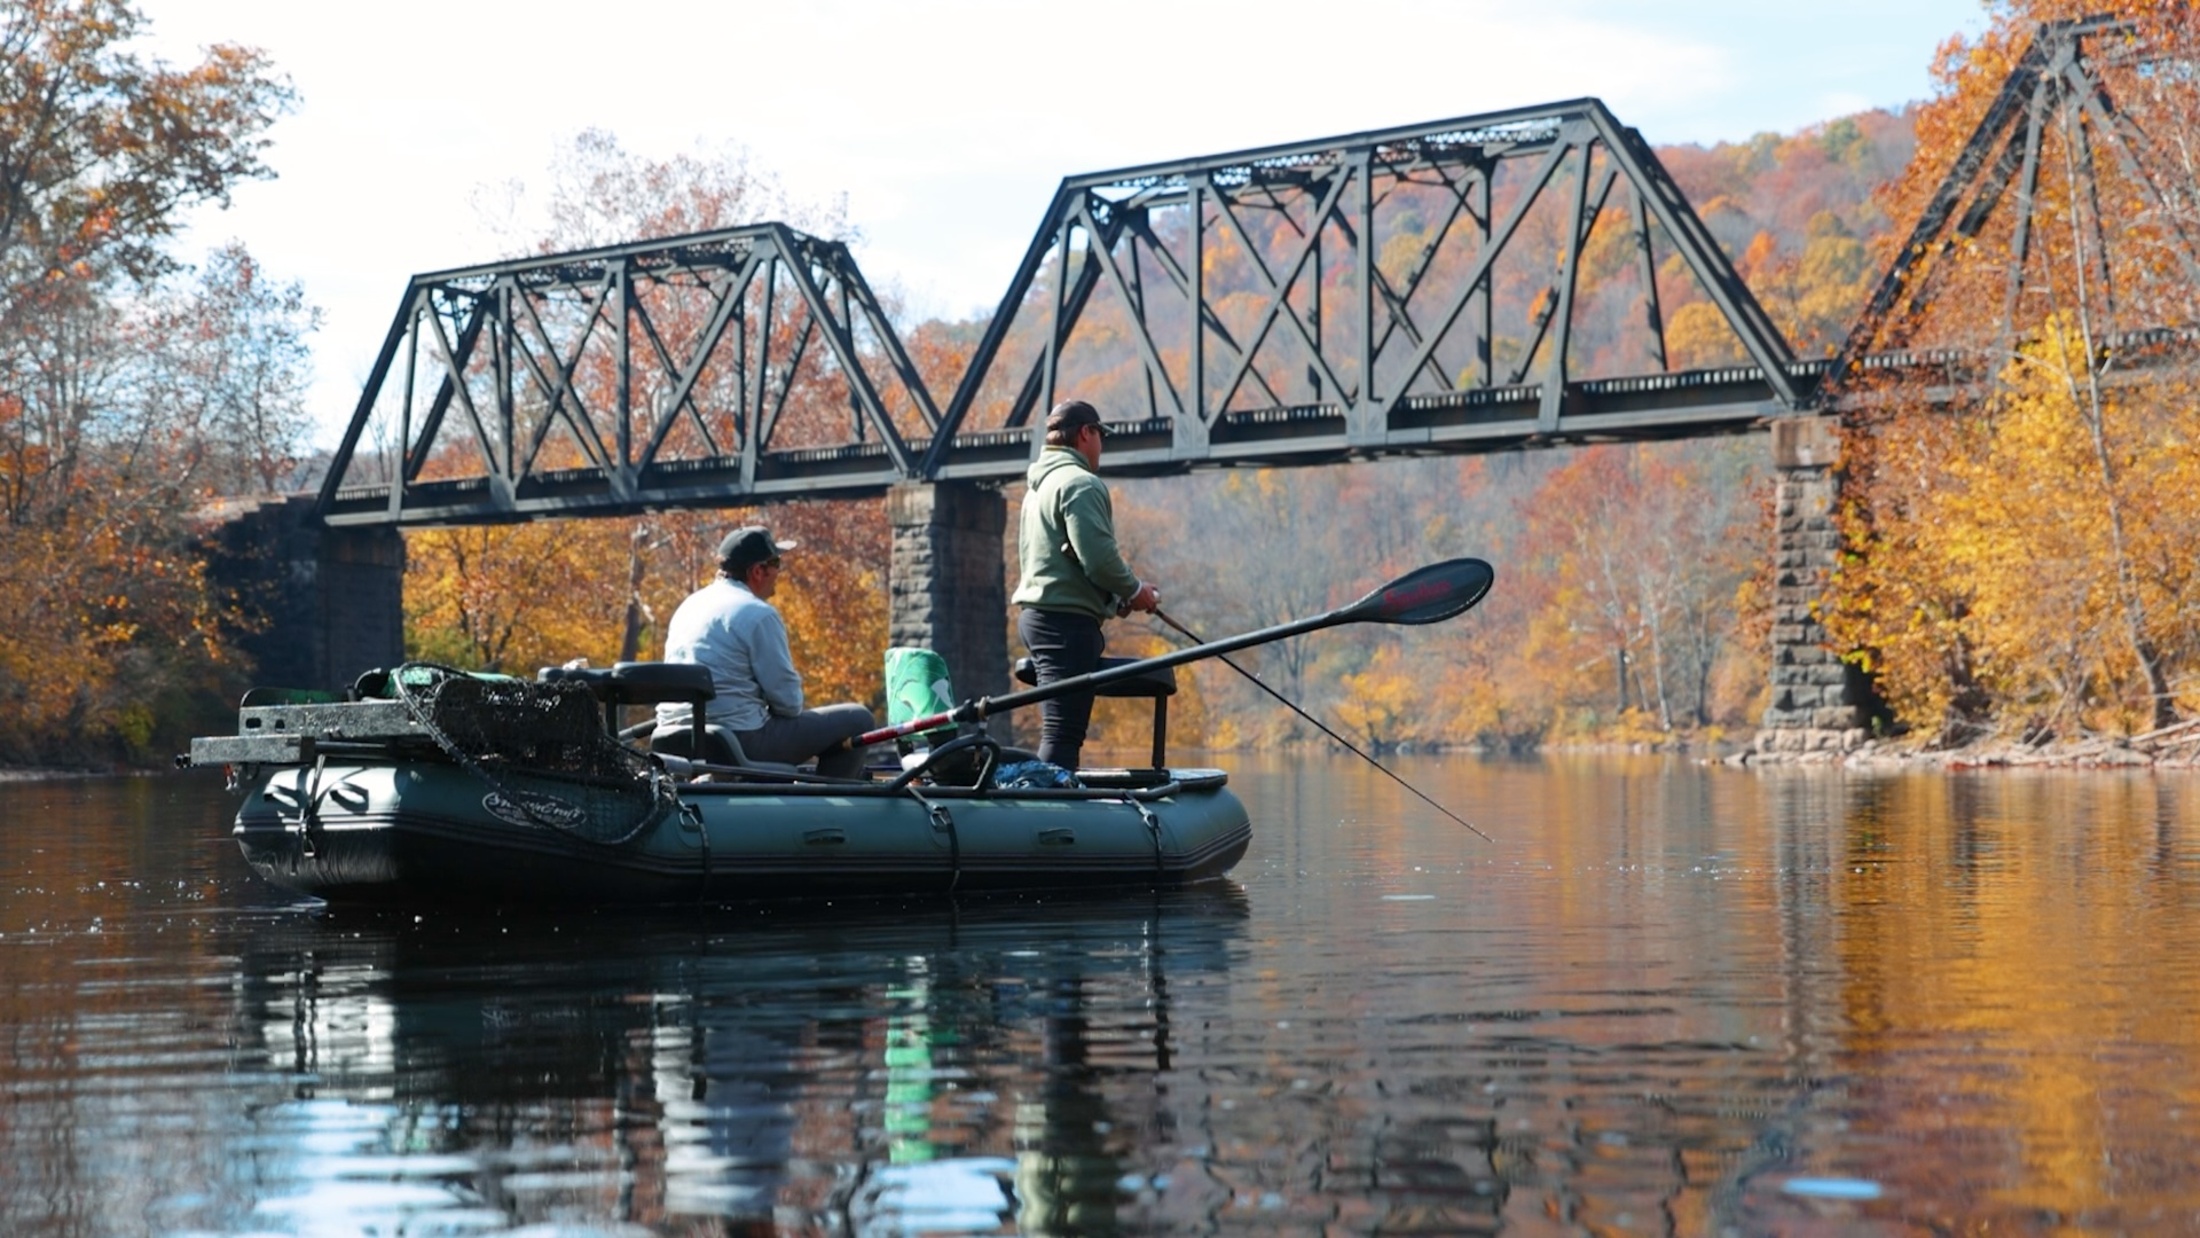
1667 995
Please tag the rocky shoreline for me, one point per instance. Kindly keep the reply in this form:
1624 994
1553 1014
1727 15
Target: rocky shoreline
2171 747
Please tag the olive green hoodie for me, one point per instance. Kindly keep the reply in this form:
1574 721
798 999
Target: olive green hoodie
1066 540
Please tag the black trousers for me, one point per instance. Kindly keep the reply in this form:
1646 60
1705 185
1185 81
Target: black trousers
1063 645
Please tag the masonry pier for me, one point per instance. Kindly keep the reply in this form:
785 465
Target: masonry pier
1819 702
947 581
332 599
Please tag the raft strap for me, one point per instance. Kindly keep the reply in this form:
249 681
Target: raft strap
942 822
1153 830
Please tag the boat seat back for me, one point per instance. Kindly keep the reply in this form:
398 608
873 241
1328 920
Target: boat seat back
639 683
1160 681
720 747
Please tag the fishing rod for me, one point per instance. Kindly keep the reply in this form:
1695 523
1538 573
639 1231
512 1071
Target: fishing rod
1349 746
1429 594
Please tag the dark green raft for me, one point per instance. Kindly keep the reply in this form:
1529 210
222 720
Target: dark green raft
434 787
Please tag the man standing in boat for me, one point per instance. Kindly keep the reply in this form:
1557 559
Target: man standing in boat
1074 577
730 626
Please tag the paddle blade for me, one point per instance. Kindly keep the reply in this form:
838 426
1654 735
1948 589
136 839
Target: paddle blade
1430 594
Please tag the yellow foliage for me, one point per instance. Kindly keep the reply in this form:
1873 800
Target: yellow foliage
2035 557
1697 337
1386 703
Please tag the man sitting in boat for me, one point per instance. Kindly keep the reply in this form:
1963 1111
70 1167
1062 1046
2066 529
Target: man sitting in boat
730 626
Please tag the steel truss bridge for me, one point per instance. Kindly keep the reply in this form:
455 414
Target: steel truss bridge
1468 285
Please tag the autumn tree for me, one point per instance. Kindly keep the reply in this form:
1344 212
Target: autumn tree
102 151
109 631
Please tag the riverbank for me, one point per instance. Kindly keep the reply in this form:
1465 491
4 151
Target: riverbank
2171 747
36 773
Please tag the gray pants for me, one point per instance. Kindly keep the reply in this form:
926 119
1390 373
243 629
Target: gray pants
808 734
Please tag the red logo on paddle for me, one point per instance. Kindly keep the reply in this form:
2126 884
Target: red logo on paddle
1404 598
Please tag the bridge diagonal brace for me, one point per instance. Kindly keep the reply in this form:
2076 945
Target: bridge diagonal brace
1144 337
424 436
1278 302
454 387
726 302
1554 385
855 289
2124 139
400 334
1139 224
1912 265
565 402
1401 319
1480 271
839 339
1584 215
1761 338
770 424
1073 307
670 368
1653 315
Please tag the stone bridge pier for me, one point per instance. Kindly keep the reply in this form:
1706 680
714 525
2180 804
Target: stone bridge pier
1820 704
947 581
331 600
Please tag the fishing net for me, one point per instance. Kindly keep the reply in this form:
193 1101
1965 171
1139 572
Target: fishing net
541 748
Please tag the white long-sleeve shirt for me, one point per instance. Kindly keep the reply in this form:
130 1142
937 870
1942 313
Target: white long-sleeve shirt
741 639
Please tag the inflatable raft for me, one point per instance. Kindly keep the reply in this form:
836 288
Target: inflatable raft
432 786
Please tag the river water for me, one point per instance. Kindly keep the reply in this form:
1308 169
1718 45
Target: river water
1668 999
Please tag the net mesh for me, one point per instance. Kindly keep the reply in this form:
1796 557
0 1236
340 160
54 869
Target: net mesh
542 748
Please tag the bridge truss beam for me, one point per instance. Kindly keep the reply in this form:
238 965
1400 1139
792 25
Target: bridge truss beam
1416 358
1416 290
703 370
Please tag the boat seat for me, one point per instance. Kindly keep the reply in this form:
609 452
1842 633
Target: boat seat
638 683
1158 683
720 747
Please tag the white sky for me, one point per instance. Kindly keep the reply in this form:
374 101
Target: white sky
945 123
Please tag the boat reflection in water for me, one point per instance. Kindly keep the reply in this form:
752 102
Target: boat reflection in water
930 1068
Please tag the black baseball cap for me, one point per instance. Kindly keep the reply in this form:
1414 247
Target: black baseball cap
1070 414
748 546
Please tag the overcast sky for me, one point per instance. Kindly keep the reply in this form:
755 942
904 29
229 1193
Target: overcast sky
945 123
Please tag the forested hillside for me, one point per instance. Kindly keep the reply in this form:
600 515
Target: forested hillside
2022 567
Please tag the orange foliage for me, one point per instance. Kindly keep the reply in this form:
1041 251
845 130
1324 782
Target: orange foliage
111 640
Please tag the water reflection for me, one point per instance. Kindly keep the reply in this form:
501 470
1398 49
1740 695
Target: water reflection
1672 999
818 1071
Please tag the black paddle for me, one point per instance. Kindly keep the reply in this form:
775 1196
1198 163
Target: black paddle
1430 594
